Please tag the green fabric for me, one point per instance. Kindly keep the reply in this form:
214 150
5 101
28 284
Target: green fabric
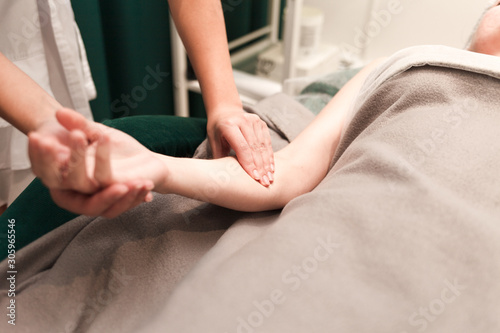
244 16
137 37
137 42
125 39
88 17
36 214
237 15
167 135
316 95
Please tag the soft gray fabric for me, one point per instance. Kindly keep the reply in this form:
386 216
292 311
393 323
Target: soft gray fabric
403 235
99 275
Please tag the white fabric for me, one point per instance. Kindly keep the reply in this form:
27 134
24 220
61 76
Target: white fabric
4 186
41 38
12 183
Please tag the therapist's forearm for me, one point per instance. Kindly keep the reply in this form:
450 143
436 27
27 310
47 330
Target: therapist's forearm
202 29
23 103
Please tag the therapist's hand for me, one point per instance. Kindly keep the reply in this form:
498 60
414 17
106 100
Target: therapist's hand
50 149
109 201
248 136
57 155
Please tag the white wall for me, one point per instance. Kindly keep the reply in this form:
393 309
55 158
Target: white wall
357 23
341 17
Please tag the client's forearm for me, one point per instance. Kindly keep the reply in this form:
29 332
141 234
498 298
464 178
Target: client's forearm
299 167
223 182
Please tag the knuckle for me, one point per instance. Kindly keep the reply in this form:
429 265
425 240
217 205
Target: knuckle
228 122
252 117
244 147
255 147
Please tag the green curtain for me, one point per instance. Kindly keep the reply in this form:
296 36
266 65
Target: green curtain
241 17
138 56
88 16
128 46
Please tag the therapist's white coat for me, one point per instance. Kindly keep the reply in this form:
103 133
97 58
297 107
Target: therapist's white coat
41 37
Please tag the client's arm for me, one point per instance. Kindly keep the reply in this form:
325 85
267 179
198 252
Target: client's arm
300 166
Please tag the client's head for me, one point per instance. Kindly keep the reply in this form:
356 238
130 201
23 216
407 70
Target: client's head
486 38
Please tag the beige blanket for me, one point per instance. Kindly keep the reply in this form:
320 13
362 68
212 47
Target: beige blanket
403 235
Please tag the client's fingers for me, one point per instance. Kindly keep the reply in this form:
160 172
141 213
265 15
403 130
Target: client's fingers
102 171
86 204
76 175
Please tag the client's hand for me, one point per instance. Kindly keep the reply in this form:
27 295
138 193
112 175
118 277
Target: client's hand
80 174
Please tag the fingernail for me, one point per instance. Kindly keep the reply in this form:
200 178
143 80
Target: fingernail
272 167
270 175
256 174
266 180
148 198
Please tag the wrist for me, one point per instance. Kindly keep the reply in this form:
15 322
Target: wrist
219 98
41 124
224 110
47 116
163 181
